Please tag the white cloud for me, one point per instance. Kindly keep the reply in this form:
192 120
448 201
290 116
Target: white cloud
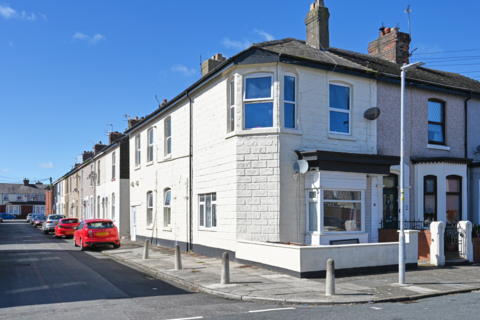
91 40
4 170
240 45
184 70
46 165
7 12
264 34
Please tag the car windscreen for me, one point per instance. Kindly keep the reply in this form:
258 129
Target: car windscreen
55 217
100 225
69 221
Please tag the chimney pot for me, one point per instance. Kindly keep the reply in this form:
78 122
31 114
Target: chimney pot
392 45
164 100
388 30
136 118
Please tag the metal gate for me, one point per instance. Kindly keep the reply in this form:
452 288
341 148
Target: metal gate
453 240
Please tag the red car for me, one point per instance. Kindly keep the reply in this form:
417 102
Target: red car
94 232
65 226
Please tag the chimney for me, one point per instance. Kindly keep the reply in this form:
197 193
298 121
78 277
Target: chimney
318 35
87 155
211 64
392 45
98 147
114 136
26 182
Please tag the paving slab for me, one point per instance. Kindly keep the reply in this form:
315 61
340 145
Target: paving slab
256 284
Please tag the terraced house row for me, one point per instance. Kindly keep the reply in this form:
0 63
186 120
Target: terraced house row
213 169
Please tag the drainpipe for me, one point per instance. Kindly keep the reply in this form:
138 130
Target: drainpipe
466 131
190 178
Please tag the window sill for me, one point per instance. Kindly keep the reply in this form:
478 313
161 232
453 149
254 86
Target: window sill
338 136
114 179
168 156
167 229
263 131
150 228
207 229
338 233
438 147
149 164
138 168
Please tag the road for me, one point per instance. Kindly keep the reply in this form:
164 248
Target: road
46 278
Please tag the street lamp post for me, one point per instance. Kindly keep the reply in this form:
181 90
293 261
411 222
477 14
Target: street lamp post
401 238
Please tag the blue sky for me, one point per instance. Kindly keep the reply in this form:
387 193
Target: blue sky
69 68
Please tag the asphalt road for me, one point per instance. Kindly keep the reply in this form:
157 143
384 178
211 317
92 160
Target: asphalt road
46 278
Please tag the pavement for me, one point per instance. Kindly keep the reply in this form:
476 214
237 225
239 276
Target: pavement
253 284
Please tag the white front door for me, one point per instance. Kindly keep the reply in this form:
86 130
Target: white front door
133 220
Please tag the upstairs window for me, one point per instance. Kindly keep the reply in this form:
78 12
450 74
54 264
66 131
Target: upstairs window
137 150
150 146
113 165
340 110
289 106
98 172
168 136
167 210
91 175
258 99
436 122
231 109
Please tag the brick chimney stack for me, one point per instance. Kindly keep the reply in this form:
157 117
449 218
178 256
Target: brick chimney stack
392 45
114 136
211 64
87 155
98 148
317 20
26 182
133 122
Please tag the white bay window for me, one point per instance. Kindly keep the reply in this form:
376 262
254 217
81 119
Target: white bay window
258 101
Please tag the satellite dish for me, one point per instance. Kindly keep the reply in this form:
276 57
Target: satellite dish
301 166
478 149
372 114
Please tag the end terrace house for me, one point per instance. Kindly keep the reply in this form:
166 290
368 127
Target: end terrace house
213 169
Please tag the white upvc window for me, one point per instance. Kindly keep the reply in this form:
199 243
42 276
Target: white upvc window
231 104
114 162
168 136
98 172
208 211
91 175
138 151
340 107
167 209
289 102
258 101
335 211
150 146
113 206
150 209
16 209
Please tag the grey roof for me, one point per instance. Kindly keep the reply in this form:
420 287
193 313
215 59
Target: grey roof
364 62
22 189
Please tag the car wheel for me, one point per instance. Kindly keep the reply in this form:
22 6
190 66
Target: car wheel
46 232
82 248
116 246
56 237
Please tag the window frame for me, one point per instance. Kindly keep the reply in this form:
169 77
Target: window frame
350 107
150 145
258 100
291 75
167 215
138 151
213 212
98 172
231 105
442 124
313 201
168 135
459 193
434 193
114 163
149 208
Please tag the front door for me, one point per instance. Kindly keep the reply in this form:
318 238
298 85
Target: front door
390 202
133 220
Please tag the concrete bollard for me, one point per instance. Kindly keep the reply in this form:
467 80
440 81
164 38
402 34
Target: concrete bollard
330 282
145 250
178 258
225 269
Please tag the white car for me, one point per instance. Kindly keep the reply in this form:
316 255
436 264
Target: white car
50 223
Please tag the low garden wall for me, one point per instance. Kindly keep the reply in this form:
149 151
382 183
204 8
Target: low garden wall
311 261
424 241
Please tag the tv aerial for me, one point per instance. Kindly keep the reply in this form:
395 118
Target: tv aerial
372 114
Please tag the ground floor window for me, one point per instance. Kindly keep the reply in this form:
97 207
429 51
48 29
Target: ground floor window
430 198
335 210
208 211
13 209
454 199
167 210
38 209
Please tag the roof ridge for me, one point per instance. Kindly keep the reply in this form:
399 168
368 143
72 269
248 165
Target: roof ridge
275 42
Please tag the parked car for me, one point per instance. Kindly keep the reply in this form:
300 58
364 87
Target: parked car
65 227
8 216
1 220
29 216
94 232
50 222
38 220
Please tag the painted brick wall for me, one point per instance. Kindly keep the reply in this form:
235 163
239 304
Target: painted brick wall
424 242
